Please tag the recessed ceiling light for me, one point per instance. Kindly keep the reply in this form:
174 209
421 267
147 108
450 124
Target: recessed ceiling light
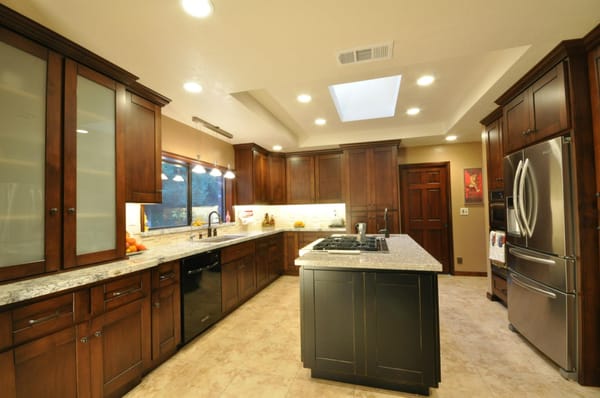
413 111
304 98
425 80
320 121
277 147
451 138
197 8
366 99
82 131
192 87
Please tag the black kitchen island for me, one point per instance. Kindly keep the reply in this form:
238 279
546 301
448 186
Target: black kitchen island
372 318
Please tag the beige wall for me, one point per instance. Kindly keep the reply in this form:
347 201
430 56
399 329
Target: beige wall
187 141
469 232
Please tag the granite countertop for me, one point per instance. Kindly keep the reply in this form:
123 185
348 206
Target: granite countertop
48 284
404 255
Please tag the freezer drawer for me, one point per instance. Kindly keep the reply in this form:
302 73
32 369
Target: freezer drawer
556 272
544 316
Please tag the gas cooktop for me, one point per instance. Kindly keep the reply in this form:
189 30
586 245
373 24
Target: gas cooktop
342 243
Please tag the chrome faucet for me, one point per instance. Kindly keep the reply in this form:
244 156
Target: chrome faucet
385 229
213 232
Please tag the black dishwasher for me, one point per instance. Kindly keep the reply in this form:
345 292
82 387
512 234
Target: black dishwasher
200 293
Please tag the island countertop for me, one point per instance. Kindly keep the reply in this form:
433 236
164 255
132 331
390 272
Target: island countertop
404 255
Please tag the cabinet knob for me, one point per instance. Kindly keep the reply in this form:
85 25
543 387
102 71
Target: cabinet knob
98 333
71 210
84 339
499 179
53 211
157 305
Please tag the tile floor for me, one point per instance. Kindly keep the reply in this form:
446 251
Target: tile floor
256 353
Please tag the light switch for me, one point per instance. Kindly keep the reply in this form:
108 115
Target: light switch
464 211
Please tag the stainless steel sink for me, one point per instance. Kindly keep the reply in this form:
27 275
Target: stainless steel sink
216 239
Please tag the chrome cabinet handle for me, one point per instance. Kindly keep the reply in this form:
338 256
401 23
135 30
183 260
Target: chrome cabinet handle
166 276
44 319
122 292
71 210
533 288
98 333
84 339
53 211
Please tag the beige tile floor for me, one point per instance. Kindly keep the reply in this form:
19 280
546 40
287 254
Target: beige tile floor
255 352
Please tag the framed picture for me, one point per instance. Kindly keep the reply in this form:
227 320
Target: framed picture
473 186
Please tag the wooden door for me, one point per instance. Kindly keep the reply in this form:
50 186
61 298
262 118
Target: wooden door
425 204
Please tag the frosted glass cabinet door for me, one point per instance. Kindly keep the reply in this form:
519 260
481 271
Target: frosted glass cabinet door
96 171
22 156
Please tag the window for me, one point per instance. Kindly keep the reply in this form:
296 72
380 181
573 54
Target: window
187 196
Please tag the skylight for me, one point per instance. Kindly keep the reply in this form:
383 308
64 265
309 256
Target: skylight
366 99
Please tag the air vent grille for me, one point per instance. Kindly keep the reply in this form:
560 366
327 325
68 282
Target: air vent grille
365 54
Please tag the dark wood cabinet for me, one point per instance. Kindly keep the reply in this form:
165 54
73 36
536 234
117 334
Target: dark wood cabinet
300 178
252 178
376 328
268 259
73 143
328 178
293 242
238 274
538 112
166 311
371 179
276 179
142 141
494 150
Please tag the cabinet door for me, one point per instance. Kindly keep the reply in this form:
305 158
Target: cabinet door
401 323
261 260
333 321
300 178
516 122
357 189
93 184
30 157
47 367
229 286
276 248
120 348
276 179
246 277
383 176
142 140
549 104
328 177
495 155
260 177
291 253
166 322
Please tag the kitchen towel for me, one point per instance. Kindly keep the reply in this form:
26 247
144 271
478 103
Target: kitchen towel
497 246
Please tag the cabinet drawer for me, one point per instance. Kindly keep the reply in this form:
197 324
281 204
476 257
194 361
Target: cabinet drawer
41 318
237 251
165 274
499 287
120 292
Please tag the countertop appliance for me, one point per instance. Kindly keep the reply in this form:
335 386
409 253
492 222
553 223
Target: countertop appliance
541 255
200 293
351 243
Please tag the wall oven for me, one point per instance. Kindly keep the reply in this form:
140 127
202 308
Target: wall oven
497 211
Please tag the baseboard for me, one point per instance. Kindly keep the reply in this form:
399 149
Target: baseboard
469 273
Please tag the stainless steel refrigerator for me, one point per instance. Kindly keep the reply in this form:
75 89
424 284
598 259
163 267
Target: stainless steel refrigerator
541 255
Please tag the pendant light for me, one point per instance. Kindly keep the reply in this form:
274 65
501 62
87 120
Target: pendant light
215 172
178 176
199 169
229 174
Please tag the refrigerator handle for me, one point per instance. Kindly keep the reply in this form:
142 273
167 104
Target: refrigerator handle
521 201
516 197
524 256
532 288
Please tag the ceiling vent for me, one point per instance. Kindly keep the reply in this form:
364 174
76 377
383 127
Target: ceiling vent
366 54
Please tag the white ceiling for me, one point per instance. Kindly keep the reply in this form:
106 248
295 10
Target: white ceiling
253 57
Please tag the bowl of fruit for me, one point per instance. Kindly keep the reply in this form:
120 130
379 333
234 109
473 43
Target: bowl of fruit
132 246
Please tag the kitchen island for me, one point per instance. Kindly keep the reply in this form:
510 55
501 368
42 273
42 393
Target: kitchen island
371 318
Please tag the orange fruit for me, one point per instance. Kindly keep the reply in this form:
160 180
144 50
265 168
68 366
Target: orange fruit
139 246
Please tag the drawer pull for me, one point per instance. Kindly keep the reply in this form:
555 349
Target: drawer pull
84 339
169 275
123 292
157 305
98 333
44 319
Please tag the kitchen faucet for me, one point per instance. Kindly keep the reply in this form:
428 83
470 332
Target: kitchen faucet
385 229
213 232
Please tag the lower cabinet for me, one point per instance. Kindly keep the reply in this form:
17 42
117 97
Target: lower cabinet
238 274
268 259
375 328
166 311
294 241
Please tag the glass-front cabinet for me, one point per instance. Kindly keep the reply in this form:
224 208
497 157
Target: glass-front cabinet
61 204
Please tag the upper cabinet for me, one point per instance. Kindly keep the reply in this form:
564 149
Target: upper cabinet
251 182
62 148
300 178
538 112
314 178
328 178
277 179
494 150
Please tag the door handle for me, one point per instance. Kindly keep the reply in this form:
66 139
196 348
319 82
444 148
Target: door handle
533 288
524 256
516 197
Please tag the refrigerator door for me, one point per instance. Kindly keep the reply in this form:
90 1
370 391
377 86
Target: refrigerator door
513 166
545 317
544 197
556 272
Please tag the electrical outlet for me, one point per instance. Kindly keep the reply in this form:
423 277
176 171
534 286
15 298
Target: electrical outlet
464 211
458 260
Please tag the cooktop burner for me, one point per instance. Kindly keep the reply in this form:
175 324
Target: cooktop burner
371 243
